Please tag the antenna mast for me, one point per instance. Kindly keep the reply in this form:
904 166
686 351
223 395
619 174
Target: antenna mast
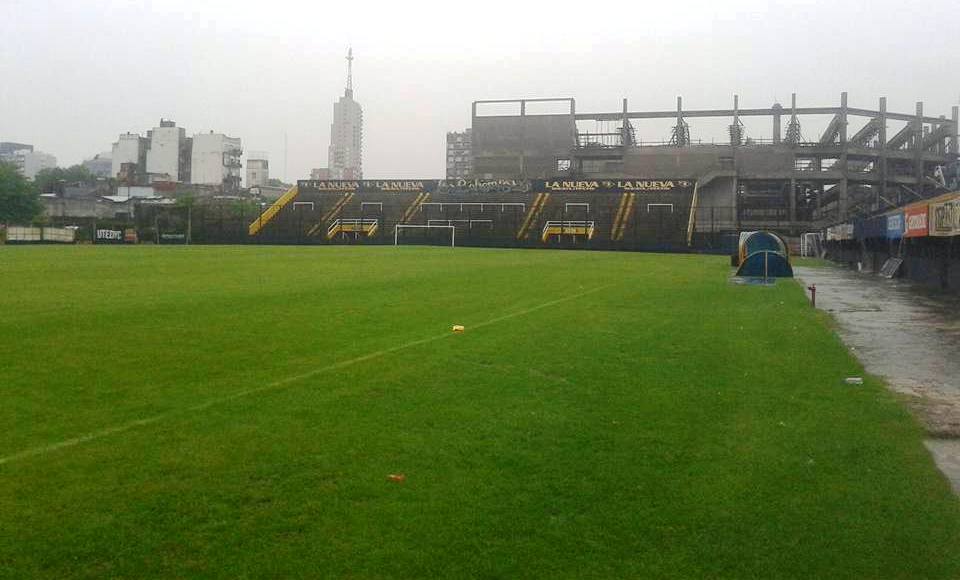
349 91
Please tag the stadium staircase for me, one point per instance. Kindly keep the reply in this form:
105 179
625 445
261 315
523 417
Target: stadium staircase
622 218
413 207
533 213
332 214
272 211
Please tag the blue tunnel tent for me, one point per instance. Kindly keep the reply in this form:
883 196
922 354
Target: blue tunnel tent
763 255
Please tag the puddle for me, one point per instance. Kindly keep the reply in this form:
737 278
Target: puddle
909 335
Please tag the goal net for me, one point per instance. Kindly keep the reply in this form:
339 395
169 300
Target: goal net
428 235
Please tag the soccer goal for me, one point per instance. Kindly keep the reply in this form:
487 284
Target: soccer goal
426 231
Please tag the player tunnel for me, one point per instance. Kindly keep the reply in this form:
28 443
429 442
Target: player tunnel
763 254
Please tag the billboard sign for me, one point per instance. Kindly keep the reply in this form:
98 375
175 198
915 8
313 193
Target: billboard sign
895 225
945 217
173 238
840 233
462 186
108 236
915 220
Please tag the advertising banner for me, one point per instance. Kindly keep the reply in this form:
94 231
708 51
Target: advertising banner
840 233
481 186
945 217
173 238
895 225
107 236
915 221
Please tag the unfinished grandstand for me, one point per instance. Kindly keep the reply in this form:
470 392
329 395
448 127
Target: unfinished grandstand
549 177
863 161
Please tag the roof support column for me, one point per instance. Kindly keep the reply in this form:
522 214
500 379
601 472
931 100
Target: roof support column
777 109
955 138
793 201
918 148
882 144
844 199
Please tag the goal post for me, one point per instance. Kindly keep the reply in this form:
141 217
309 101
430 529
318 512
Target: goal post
398 227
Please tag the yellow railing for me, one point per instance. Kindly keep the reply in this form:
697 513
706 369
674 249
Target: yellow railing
365 226
272 211
574 228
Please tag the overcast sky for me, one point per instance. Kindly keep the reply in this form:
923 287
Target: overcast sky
74 74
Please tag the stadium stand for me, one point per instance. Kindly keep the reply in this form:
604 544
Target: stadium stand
630 215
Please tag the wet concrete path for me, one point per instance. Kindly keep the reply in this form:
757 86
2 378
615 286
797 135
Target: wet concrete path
909 335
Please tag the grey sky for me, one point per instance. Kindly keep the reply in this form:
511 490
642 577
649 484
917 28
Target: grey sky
75 74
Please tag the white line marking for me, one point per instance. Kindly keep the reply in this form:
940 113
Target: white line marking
73 442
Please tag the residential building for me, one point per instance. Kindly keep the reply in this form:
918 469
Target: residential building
320 173
8 148
28 161
215 160
31 162
345 154
459 155
168 156
130 149
258 169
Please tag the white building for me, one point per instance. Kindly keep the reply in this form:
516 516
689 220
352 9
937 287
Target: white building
258 169
345 155
127 149
167 144
216 160
31 162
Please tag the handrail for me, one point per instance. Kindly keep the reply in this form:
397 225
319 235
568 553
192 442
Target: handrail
272 211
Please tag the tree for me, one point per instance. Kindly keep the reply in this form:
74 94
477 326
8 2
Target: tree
188 200
19 199
274 182
47 180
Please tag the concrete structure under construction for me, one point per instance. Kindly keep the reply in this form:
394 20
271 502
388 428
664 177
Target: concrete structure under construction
215 160
863 161
345 154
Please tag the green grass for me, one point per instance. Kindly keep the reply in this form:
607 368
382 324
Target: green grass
670 424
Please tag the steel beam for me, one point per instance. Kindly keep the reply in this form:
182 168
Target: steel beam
742 112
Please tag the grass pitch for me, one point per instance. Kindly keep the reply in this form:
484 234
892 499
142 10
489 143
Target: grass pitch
236 412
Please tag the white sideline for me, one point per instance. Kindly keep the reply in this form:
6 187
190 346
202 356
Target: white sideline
73 442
